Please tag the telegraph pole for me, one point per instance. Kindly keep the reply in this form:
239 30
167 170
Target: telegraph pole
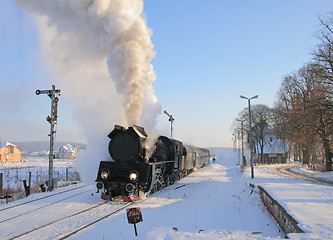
238 150
53 121
171 119
243 158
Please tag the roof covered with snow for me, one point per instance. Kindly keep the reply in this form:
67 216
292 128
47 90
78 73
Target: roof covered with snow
276 146
5 144
67 148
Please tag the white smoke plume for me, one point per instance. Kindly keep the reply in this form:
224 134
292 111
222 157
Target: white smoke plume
98 53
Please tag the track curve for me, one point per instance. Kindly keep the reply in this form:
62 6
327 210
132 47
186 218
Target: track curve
287 170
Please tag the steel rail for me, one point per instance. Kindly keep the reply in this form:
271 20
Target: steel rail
34 200
286 170
46 205
58 220
66 235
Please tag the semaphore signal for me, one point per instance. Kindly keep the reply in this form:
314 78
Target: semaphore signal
53 121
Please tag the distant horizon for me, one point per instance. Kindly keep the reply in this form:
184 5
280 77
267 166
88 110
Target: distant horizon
69 142
74 142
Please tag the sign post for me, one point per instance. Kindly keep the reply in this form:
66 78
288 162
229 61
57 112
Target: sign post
134 216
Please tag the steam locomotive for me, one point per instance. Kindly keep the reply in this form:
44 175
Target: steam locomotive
139 169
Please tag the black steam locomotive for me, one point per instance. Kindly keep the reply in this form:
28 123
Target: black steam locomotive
139 169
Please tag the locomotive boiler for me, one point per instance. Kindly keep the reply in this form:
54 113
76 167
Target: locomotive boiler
138 169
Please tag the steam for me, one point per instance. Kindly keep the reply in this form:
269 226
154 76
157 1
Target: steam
99 53
150 143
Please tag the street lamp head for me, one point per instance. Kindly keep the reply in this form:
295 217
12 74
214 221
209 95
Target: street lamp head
256 96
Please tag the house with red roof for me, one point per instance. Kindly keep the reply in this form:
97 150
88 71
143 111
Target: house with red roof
10 152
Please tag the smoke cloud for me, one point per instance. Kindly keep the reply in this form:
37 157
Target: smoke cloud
98 53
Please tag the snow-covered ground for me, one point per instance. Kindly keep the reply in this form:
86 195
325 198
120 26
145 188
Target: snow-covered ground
13 174
212 203
215 202
309 203
317 174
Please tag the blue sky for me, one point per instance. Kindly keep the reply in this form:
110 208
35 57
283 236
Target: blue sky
208 53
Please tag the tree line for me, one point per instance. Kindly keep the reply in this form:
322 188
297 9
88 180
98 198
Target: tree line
302 115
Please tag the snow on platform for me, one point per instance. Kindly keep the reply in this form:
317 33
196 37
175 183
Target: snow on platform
309 203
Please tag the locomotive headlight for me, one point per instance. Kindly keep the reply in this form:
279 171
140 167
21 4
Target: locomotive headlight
105 174
133 176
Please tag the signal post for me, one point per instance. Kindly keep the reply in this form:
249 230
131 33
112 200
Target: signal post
53 121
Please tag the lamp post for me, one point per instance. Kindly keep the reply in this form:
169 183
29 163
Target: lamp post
171 119
236 145
250 132
234 140
238 151
243 158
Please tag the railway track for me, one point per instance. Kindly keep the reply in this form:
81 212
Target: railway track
41 198
54 229
287 170
66 235
43 206
57 218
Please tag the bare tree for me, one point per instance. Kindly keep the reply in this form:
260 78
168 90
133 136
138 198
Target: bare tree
304 117
262 122
323 53
323 58
262 127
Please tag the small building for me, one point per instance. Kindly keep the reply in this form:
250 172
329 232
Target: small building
275 152
10 152
66 152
